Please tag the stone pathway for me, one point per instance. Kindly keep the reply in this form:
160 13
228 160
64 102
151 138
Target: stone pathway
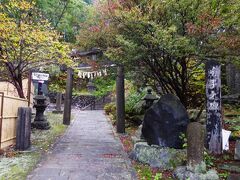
89 150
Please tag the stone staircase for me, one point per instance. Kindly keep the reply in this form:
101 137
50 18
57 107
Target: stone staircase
98 104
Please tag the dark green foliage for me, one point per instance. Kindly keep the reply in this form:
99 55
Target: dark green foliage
104 85
166 41
65 16
134 103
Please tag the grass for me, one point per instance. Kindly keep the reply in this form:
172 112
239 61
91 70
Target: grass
15 165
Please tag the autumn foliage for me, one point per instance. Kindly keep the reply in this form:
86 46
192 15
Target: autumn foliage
27 42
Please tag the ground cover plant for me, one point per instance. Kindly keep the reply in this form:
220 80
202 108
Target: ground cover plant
17 164
231 122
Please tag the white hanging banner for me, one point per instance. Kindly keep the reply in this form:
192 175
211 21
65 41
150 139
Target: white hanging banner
225 139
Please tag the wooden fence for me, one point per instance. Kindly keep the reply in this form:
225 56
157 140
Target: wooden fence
8 118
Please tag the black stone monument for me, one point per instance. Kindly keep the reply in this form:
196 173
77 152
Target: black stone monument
165 121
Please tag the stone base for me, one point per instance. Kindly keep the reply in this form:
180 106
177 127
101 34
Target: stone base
41 125
57 112
156 156
199 173
233 177
237 150
233 167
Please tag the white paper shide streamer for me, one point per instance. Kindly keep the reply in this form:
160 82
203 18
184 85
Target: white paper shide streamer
92 74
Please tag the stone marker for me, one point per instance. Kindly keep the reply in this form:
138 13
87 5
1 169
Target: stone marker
23 131
156 156
237 150
213 107
58 103
195 144
165 121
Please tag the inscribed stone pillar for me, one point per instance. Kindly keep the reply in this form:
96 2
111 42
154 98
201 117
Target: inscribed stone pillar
195 144
213 107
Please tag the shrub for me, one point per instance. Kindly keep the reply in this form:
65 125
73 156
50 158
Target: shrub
110 108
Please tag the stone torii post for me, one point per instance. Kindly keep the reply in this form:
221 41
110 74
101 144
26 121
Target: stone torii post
120 104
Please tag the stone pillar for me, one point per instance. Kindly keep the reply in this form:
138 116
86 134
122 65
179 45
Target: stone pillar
23 131
68 97
230 76
233 78
237 81
213 107
195 144
237 150
120 100
58 103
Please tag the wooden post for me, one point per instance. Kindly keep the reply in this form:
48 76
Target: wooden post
68 97
120 100
23 141
1 116
213 107
29 88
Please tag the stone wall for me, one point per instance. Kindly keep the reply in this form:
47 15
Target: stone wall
80 101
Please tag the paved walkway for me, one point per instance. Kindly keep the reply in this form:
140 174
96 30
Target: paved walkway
89 150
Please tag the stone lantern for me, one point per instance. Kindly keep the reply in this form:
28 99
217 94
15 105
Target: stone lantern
91 87
40 121
149 99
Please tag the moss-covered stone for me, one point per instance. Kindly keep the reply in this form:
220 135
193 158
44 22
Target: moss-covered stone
156 156
197 173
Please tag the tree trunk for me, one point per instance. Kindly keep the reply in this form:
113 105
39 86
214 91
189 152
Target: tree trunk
16 80
20 91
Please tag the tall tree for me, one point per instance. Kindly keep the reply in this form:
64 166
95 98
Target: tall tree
65 16
26 43
166 40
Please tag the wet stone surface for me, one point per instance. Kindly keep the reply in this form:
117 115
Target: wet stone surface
89 150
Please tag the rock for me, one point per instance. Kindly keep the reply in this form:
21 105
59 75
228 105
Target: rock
199 173
237 150
232 167
165 121
182 173
233 177
156 156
